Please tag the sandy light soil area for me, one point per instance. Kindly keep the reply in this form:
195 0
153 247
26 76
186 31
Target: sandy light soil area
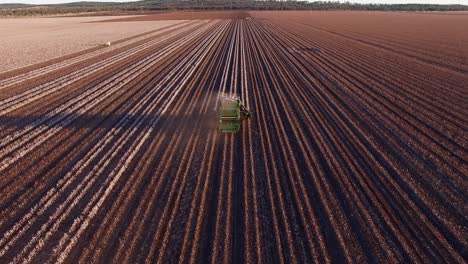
26 41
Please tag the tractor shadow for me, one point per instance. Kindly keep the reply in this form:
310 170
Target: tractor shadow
167 123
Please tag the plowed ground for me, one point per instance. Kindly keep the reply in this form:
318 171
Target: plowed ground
357 152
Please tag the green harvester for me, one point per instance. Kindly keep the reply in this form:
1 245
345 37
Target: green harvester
230 114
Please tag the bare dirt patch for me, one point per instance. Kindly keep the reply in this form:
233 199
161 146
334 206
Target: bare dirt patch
189 15
34 40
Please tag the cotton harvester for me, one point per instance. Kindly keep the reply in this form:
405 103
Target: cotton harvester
231 113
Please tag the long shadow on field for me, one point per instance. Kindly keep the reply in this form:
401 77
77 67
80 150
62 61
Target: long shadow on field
125 121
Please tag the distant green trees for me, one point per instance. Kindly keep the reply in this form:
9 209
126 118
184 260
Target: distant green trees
148 5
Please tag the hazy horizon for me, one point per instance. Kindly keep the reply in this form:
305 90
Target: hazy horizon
462 2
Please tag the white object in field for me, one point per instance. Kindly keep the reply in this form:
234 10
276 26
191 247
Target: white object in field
107 44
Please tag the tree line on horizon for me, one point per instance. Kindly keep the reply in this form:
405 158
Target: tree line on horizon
172 5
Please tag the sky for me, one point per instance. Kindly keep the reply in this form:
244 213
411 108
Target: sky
463 2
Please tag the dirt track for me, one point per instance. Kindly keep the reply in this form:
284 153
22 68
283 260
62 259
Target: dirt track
358 149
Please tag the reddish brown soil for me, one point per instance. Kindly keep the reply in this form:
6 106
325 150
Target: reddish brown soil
357 151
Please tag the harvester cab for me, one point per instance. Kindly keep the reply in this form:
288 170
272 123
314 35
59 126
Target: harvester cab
231 113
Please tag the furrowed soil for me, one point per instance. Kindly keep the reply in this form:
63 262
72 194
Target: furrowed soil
357 151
